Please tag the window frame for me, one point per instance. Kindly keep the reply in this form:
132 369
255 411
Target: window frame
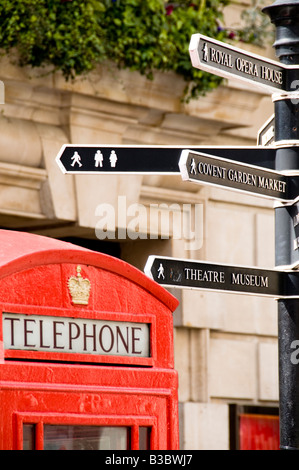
41 419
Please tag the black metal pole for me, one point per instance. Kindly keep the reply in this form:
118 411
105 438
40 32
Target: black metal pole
285 16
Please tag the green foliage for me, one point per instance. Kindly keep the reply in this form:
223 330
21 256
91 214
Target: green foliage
65 35
144 35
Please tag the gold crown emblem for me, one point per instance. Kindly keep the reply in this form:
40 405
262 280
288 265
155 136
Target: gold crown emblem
79 288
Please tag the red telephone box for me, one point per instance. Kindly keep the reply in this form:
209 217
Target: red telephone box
86 357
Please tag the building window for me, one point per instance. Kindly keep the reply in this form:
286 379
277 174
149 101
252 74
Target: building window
254 428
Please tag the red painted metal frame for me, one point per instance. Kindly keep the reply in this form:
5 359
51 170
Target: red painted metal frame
71 394
50 387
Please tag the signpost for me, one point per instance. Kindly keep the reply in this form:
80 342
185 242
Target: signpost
266 134
231 62
282 78
149 159
180 273
203 168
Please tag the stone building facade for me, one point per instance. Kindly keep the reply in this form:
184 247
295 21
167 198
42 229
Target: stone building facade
225 345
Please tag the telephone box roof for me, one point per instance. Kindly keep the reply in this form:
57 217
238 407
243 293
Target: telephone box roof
21 250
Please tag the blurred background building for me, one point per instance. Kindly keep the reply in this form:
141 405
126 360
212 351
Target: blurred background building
225 345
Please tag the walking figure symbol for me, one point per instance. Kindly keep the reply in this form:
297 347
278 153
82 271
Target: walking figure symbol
161 271
193 166
76 159
205 51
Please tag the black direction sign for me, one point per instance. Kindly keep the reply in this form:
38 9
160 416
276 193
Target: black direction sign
231 62
180 273
121 159
203 168
266 134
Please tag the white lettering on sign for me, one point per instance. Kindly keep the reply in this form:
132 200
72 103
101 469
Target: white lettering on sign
241 64
220 57
274 76
218 277
250 280
272 184
204 276
211 170
241 177
246 66
75 335
237 176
